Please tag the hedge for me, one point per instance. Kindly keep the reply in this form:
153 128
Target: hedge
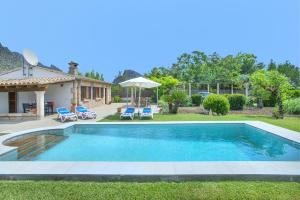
292 106
236 101
217 104
197 99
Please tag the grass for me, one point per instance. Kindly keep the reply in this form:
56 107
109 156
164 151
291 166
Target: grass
292 123
23 190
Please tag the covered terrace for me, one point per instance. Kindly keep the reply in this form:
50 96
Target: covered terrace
17 94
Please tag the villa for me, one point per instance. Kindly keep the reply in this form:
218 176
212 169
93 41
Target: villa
34 91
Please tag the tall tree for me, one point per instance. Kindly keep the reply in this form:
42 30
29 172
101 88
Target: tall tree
93 75
249 63
271 82
168 83
290 71
272 65
158 72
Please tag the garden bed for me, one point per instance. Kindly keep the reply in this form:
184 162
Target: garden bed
246 111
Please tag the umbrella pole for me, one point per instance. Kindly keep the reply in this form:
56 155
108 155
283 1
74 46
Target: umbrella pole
157 96
132 96
127 97
139 104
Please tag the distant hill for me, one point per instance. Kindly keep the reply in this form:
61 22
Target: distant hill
10 60
126 75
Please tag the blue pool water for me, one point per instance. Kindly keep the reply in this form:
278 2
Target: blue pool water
175 142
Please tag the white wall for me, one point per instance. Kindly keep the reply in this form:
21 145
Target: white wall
37 72
13 75
3 102
60 95
40 72
24 97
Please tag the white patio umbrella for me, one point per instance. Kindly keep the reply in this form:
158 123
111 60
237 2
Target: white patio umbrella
140 83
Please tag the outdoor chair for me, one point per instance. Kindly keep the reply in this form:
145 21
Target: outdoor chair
147 112
84 113
128 113
64 114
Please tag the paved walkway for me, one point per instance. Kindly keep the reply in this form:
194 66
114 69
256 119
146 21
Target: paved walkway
10 126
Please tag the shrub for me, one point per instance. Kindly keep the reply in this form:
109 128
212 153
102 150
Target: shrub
197 99
250 101
164 106
188 102
117 99
294 93
217 104
292 106
236 101
275 113
176 99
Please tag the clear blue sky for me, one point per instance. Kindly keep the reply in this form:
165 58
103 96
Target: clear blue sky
114 35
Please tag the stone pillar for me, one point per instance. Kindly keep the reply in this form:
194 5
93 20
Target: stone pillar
78 93
105 97
208 87
109 95
218 88
132 96
40 104
75 95
231 88
92 95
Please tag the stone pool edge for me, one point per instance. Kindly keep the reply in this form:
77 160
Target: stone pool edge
153 171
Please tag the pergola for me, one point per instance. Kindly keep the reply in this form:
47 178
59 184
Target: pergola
140 83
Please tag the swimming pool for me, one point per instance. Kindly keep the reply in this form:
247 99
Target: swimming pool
180 142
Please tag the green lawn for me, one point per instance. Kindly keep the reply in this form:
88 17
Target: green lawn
288 122
23 190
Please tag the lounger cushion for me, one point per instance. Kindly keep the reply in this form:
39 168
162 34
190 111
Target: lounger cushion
82 110
63 111
147 110
129 110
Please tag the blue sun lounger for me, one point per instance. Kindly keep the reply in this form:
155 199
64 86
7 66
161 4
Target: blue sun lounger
128 113
84 113
147 112
64 114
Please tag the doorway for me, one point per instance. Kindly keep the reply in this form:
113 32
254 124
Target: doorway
12 102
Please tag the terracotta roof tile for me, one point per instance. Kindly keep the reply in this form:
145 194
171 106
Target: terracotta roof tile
34 81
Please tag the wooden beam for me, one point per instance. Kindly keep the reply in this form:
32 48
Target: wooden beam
24 88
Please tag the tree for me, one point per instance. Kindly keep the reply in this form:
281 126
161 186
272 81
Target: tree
190 67
290 71
175 99
94 75
248 63
158 72
168 83
271 82
259 83
272 65
87 74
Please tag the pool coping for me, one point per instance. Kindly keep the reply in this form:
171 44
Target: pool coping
153 171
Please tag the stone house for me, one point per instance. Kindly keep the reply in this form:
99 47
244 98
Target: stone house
45 89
